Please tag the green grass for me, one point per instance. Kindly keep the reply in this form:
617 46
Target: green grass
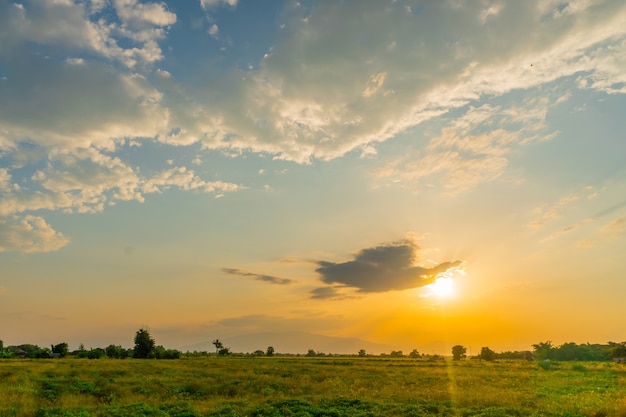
300 386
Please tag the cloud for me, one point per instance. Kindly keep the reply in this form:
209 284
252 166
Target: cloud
328 293
548 213
214 30
381 268
473 148
75 28
29 234
208 4
154 14
616 228
306 100
258 277
86 180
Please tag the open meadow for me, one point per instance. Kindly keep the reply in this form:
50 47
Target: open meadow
302 386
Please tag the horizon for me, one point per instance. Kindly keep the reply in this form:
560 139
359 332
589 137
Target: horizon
400 173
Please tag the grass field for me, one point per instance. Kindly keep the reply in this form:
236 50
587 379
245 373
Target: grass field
301 386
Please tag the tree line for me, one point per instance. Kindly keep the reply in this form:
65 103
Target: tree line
547 351
145 347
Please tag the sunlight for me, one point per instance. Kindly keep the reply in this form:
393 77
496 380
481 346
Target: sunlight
444 286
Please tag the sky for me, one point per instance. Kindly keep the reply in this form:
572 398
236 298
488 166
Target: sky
385 174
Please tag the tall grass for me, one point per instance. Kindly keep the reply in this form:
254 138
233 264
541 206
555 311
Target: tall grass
283 386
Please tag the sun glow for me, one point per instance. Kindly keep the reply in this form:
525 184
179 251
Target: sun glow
444 286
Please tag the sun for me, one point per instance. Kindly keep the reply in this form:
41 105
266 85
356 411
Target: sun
443 287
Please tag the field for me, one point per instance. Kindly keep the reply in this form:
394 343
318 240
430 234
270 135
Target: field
302 386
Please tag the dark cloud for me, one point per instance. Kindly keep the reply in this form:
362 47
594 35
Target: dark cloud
259 277
328 293
379 269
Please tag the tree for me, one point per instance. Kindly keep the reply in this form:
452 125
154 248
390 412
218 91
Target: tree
311 352
619 351
218 345
62 349
396 354
414 354
544 350
458 352
487 354
270 351
144 344
224 351
362 353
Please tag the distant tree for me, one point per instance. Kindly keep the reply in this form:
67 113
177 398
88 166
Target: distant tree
414 354
396 354
311 352
487 354
96 353
258 352
144 345
161 353
544 350
362 353
458 352
116 352
224 351
619 351
218 345
62 349
269 351
1 346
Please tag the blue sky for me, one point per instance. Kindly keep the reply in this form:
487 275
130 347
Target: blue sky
216 169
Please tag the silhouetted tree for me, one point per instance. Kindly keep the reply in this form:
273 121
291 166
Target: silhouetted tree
144 345
458 352
396 354
224 351
311 352
258 352
270 351
62 349
362 352
218 345
487 354
544 350
414 354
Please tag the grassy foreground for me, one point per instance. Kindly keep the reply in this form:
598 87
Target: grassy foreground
301 386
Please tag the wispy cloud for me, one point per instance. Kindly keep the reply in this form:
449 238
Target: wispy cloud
549 212
258 277
616 228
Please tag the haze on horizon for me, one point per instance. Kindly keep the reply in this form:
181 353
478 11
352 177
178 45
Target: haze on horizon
227 168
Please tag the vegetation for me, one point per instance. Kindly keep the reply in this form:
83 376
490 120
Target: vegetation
253 385
458 352
144 345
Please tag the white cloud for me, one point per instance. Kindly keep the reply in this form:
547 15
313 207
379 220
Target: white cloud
208 4
141 14
214 30
86 180
311 95
69 26
473 148
29 234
